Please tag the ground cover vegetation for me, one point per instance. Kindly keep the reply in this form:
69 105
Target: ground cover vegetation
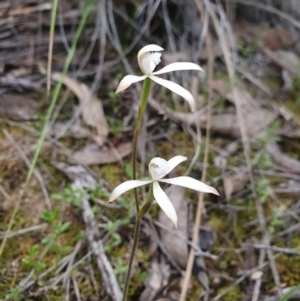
66 143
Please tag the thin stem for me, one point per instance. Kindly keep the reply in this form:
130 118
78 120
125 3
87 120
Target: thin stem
197 224
144 99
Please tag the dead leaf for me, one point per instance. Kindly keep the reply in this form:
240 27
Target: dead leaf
235 182
19 106
244 97
287 60
92 109
157 277
184 57
174 245
283 161
92 154
223 124
272 38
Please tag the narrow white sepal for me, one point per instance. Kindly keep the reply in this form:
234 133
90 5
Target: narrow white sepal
128 80
148 48
128 185
177 67
164 203
191 183
173 162
176 89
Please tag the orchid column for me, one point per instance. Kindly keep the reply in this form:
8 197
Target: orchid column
148 58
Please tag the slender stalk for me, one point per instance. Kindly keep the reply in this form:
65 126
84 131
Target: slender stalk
50 50
197 224
144 98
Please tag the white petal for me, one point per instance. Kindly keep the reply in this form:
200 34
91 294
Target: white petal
173 162
125 187
178 66
148 48
158 168
164 203
148 61
191 183
128 80
176 89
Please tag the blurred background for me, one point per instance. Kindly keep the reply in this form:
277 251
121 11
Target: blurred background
66 142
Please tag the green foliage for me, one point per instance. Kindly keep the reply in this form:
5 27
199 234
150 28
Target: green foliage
275 222
70 195
129 171
115 126
115 238
48 243
14 294
246 50
32 259
290 293
263 189
270 132
121 267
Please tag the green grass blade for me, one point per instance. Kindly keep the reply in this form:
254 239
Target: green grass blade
51 37
85 14
290 293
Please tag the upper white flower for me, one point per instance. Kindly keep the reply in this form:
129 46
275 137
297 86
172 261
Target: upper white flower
159 168
148 58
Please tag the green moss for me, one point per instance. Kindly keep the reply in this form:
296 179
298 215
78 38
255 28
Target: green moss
233 295
112 173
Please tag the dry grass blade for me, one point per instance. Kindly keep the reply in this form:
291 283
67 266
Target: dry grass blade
195 239
231 72
91 154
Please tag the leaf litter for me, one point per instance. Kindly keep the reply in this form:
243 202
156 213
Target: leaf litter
265 53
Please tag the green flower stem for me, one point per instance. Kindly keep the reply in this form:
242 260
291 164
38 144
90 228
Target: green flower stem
144 99
147 205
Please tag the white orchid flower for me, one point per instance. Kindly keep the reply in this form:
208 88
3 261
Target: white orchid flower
148 58
159 168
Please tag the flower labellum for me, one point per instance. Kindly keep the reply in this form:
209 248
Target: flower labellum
159 168
148 59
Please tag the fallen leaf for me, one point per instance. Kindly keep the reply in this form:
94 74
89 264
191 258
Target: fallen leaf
184 57
175 246
235 183
283 161
19 106
272 38
157 278
92 109
93 154
287 60
223 124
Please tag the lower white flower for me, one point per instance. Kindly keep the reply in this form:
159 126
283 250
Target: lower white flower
159 168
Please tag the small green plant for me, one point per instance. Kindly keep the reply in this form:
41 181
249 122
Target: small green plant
245 49
121 267
115 126
50 243
14 294
263 189
32 260
270 132
70 195
115 237
274 223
